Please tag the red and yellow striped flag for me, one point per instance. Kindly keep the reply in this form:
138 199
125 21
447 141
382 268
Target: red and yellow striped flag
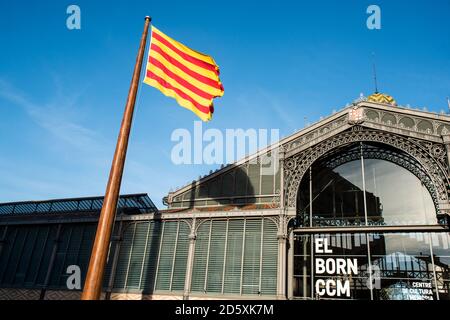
191 77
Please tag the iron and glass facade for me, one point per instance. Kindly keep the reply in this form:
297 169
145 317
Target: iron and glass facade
356 207
150 255
384 190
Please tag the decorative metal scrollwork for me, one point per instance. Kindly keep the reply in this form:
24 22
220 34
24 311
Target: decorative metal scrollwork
373 152
429 160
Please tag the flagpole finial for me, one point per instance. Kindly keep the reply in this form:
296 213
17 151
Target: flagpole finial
148 18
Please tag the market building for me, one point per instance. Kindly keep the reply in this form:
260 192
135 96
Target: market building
356 207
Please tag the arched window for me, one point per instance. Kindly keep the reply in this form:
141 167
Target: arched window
366 184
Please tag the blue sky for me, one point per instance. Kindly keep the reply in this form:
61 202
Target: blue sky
62 92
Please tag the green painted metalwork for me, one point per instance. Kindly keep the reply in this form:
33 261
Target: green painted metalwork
236 256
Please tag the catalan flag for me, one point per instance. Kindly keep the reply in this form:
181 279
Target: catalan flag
188 76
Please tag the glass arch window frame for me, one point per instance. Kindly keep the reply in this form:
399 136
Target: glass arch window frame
361 152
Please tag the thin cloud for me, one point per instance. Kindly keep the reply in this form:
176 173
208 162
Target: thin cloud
279 109
52 119
70 144
261 97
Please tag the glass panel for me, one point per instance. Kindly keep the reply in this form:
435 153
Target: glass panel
441 256
253 179
404 266
396 196
337 195
302 267
339 267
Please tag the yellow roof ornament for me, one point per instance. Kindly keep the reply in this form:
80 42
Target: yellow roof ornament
378 97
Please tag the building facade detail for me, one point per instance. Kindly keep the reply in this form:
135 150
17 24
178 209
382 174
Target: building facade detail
431 155
237 233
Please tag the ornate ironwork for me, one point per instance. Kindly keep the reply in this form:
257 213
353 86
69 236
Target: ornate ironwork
398 157
296 165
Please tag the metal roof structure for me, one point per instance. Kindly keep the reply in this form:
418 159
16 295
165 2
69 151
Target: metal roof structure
128 204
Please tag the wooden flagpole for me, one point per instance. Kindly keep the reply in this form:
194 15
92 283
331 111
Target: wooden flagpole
94 278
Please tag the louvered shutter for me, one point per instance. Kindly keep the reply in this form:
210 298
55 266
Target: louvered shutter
25 259
84 254
46 255
200 257
110 257
252 257
136 256
166 256
62 246
17 244
232 283
216 257
124 257
269 258
73 250
180 263
6 253
36 256
151 257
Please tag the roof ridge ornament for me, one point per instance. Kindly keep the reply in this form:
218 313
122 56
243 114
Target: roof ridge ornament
382 98
361 98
